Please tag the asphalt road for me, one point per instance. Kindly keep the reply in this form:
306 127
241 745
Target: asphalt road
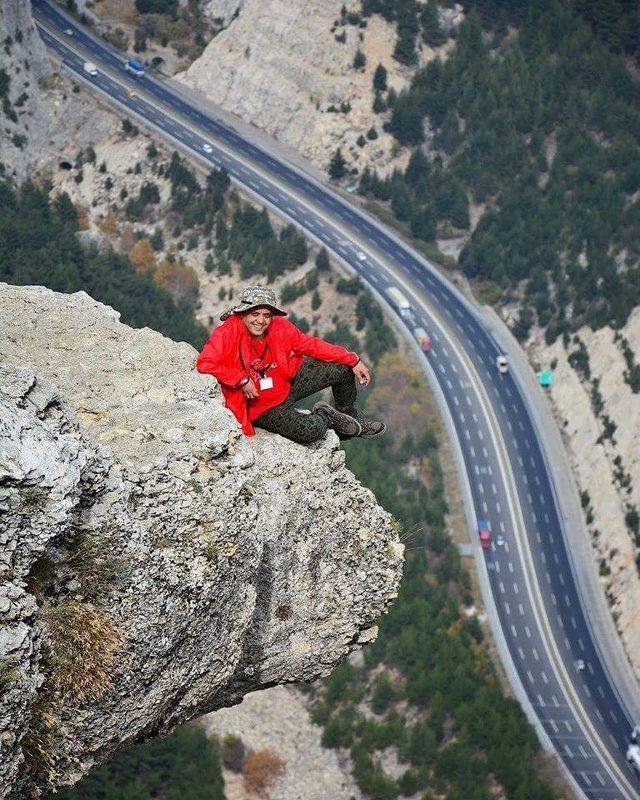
534 595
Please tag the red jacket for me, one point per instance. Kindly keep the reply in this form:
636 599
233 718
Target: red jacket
220 357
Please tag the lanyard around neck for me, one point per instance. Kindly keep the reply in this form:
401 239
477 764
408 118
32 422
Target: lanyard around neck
260 358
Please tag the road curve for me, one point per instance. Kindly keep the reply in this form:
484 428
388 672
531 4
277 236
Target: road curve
533 592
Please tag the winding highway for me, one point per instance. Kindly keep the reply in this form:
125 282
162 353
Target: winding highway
551 654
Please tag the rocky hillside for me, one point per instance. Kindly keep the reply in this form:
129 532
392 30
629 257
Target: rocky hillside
156 565
289 69
597 404
45 118
24 70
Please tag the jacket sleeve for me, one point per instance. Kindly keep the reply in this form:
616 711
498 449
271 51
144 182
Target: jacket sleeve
306 345
218 359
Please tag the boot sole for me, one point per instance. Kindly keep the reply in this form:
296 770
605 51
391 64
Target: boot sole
373 435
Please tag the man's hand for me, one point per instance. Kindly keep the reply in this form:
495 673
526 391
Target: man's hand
249 390
361 371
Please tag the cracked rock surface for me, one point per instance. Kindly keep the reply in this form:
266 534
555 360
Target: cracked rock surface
156 564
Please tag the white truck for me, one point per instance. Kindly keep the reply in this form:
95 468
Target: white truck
633 751
400 302
90 68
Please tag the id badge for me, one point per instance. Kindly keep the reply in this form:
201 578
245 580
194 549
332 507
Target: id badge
266 383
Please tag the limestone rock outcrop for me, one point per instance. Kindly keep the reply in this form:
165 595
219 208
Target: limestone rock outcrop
25 113
288 69
155 563
222 12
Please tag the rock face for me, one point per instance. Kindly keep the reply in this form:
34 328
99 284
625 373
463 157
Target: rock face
47 117
156 564
24 116
278 65
222 11
608 470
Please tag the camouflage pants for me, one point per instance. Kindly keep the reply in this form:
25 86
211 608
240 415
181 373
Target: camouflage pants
312 377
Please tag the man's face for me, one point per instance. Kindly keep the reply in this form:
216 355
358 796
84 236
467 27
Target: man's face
257 320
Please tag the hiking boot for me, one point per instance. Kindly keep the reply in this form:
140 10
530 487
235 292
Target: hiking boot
342 424
371 428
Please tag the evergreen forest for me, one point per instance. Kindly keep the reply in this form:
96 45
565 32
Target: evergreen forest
534 120
183 766
39 246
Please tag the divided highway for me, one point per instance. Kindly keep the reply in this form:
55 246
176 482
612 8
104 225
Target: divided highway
531 587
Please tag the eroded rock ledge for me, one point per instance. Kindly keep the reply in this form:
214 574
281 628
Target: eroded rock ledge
156 564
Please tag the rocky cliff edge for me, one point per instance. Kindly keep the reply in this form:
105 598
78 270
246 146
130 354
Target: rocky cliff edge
155 563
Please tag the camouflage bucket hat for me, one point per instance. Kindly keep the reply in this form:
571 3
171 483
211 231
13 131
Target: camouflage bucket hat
254 297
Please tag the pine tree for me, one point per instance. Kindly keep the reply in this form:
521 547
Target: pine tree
322 260
157 239
432 33
405 48
406 120
359 60
65 209
423 224
380 79
379 106
337 166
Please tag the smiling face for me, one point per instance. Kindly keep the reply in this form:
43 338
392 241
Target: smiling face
257 320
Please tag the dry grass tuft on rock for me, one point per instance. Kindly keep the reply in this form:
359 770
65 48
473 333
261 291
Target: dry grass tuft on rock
85 645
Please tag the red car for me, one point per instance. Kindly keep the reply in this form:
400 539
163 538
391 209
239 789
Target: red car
484 533
423 339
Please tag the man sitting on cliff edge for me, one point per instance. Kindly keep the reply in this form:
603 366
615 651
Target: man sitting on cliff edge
264 365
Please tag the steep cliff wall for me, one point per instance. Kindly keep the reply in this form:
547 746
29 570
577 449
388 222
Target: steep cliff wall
24 115
155 563
45 118
279 65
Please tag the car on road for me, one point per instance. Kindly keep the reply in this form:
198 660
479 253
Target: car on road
134 67
500 540
423 339
484 533
68 31
361 256
207 147
90 68
633 751
579 664
400 302
502 364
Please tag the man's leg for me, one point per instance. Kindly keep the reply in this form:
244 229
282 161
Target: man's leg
315 375
292 424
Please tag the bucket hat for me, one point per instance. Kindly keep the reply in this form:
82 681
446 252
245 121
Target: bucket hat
254 297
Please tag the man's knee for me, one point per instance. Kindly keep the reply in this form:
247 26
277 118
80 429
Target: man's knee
344 372
311 428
